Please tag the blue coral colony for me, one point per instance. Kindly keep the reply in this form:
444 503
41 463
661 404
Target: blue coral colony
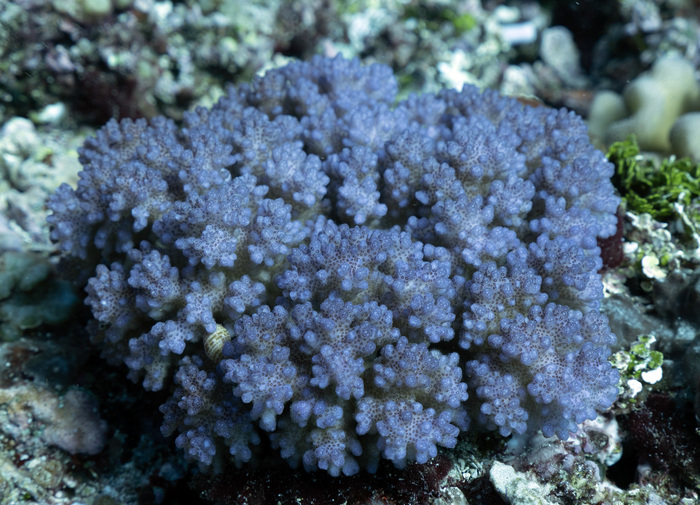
350 277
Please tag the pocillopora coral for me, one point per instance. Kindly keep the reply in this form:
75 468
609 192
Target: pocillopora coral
348 277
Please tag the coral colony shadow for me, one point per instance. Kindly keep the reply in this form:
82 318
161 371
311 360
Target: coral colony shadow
343 277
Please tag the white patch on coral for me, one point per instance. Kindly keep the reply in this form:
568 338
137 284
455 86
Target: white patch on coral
635 386
652 376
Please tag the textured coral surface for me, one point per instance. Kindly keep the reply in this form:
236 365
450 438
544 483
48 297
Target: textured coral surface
348 277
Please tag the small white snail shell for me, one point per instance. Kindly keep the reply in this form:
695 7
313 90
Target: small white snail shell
214 343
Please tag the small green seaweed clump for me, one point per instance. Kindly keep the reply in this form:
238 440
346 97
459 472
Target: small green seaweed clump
648 187
638 366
